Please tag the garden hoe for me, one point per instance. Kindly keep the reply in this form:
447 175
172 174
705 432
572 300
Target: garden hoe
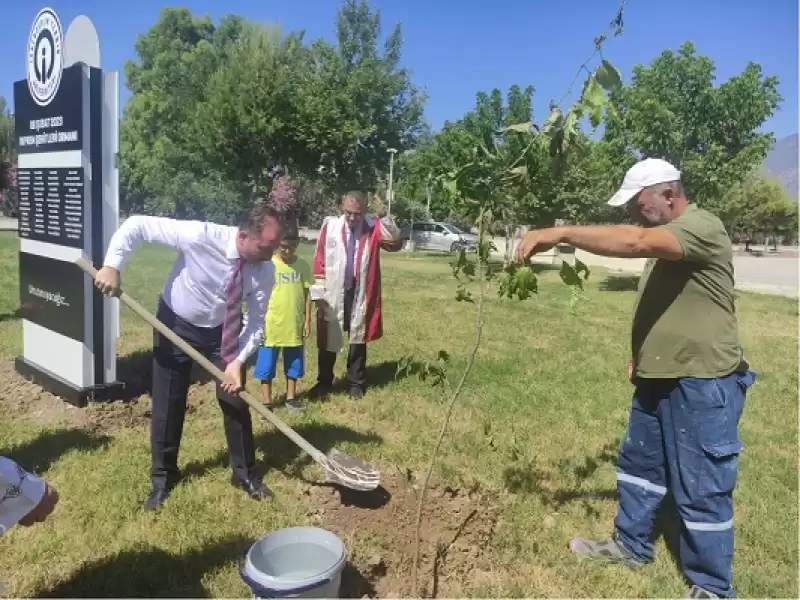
340 468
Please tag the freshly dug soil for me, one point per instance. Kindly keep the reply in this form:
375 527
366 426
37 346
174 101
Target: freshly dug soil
378 527
28 401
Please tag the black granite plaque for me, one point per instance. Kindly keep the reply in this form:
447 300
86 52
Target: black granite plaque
51 294
55 127
51 205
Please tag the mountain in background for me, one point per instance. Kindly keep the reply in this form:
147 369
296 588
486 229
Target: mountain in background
781 163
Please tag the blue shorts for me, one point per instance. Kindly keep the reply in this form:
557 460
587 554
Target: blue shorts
267 362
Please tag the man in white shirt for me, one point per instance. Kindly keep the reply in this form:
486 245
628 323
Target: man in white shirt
24 498
218 267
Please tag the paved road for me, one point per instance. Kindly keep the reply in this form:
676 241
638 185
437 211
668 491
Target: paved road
776 275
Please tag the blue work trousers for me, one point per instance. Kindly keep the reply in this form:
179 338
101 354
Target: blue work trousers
683 438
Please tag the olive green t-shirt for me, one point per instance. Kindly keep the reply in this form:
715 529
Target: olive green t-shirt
684 321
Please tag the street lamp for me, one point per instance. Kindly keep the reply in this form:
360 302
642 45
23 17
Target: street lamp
392 152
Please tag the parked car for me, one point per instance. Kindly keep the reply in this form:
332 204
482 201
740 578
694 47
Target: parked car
439 236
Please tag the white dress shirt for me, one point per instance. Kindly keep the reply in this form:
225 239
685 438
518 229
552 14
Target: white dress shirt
20 493
196 287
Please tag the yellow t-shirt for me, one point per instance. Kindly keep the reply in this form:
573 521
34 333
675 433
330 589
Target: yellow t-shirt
286 312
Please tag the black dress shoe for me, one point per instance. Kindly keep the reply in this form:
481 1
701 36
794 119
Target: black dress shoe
255 488
356 392
156 498
319 391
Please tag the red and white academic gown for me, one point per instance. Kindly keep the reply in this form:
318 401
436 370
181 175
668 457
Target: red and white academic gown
330 259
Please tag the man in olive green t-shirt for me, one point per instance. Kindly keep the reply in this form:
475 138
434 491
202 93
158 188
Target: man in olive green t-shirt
689 371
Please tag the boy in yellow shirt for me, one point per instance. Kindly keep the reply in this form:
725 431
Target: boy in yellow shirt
288 321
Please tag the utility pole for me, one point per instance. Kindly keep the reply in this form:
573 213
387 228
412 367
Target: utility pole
391 175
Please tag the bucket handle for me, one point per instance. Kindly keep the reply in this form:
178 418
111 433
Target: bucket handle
265 592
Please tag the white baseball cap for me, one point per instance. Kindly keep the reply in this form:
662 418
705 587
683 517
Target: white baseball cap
645 173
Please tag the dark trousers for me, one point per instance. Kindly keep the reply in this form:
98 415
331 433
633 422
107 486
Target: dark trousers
356 357
683 439
172 370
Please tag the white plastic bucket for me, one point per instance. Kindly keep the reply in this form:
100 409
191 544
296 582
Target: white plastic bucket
297 562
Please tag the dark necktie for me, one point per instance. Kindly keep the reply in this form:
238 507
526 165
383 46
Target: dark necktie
232 323
350 278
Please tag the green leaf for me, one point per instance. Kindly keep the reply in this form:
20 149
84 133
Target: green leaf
519 282
469 269
571 275
404 366
608 76
581 268
460 263
520 127
463 295
593 94
570 127
553 121
518 172
527 283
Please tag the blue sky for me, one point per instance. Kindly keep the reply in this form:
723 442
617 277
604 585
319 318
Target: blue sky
455 48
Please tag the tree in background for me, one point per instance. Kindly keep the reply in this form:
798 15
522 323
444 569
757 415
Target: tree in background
8 162
225 105
758 207
672 110
161 171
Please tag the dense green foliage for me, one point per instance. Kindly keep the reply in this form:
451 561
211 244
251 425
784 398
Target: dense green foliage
8 195
670 109
217 108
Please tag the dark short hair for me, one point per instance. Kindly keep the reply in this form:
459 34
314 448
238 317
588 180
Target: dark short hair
253 221
291 233
356 195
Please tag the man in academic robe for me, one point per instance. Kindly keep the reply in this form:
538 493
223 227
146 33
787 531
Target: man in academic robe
347 263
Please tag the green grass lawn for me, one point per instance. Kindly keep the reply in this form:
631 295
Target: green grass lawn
537 429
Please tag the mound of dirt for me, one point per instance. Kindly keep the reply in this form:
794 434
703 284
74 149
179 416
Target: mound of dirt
378 527
28 401
457 526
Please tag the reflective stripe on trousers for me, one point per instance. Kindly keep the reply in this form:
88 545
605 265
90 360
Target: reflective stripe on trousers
682 438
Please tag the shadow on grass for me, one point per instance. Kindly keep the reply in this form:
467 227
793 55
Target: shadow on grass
150 572
11 316
284 455
40 453
526 477
135 370
378 376
620 283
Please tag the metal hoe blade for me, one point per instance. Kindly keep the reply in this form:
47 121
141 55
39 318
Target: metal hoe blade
350 471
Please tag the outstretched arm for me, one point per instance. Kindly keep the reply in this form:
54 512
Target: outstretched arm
622 241
135 230
141 228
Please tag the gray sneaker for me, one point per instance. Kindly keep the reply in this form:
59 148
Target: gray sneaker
697 592
294 406
605 550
